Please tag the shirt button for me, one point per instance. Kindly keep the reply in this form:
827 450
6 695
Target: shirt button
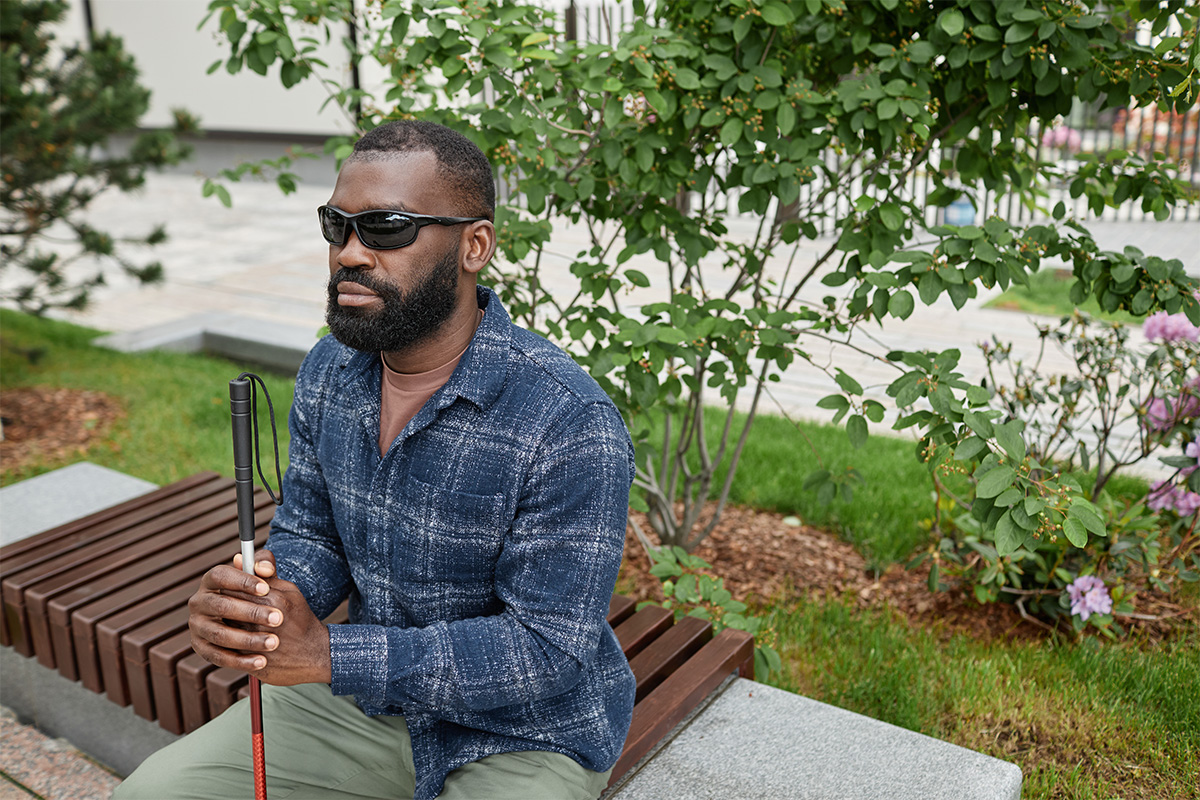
378 498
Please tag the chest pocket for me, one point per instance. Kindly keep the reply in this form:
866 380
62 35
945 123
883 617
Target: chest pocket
450 538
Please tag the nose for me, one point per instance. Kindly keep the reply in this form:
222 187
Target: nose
353 254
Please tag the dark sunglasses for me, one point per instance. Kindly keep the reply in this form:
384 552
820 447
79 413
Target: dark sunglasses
379 229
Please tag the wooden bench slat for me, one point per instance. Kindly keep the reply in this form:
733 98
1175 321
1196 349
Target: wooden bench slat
668 653
620 608
665 707
164 686
222 685
642 628
134 655
193 693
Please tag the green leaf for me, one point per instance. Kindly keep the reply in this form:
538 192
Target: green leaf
848 384
1087 514
995 482
1075 531
969 448
892 216
687 79
1008 535
731 131
901 304
1009 437
856 429
951 21
834 402
777 14
887 109
1009 497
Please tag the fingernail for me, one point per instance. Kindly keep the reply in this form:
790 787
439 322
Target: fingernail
259 663
274 618
272 642
262 588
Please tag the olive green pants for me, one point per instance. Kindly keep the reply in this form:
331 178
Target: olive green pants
320 746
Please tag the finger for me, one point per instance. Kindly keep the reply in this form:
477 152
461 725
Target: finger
223 606
226 637
227 578
227 658
262 559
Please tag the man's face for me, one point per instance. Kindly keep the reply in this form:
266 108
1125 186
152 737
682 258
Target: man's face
391 300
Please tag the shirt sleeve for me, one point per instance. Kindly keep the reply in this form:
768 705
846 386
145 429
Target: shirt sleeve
555 577
308 551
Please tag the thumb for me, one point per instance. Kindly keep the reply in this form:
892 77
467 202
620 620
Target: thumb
264 563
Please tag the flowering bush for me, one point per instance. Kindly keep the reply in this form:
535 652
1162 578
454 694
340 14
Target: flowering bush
1122 405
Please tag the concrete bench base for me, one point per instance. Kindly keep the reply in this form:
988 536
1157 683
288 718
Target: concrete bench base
755 741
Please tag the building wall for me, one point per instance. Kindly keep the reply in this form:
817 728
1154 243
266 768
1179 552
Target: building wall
174 56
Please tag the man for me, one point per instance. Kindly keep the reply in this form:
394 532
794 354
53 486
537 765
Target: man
465 485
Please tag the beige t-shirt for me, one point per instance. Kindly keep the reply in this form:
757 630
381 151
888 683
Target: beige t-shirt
403 394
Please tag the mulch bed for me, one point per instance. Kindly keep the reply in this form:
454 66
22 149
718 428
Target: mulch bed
52 425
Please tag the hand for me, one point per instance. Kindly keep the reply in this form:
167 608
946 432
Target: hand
258 624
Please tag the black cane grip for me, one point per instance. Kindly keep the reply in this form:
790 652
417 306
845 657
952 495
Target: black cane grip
243 471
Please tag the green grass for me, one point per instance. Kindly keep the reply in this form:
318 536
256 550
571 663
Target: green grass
1085 720
1049 295
1082 720
176 406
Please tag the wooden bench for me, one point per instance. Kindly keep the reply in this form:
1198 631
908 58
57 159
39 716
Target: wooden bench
103 600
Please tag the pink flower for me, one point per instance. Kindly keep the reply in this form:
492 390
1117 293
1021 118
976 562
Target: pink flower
1193 450
1165 496
1089 596
1186 503
1062 137
1170 327
1161 418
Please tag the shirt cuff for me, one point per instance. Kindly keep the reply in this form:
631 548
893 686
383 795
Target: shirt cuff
358 656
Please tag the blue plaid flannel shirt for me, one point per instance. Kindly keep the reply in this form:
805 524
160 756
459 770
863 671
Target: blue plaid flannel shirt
479 554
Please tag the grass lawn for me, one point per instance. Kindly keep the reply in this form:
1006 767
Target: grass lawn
177 405
1086 720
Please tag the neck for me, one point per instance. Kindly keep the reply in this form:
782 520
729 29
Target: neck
447 344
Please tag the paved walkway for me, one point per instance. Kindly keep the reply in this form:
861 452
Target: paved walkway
264 259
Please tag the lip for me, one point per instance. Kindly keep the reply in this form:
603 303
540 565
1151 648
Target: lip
355 294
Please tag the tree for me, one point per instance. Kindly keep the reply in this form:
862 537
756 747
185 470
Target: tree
814 116
58 114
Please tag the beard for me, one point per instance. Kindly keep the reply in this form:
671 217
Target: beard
406 319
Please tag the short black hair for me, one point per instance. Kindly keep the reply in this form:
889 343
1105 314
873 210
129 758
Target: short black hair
461 164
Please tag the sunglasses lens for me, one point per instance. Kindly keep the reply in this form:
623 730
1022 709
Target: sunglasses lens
333 225
385 230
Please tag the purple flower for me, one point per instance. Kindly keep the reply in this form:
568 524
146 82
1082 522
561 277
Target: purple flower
1170 327
1160 417
1193 450
1089 596
1162 496
1186 503
1165 496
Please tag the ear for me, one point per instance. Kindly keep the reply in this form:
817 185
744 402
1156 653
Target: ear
477 246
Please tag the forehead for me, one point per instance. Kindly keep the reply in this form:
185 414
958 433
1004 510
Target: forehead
405 182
